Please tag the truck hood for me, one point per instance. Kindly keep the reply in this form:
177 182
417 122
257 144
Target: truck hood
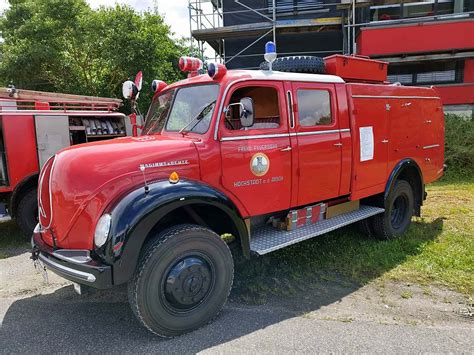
83 179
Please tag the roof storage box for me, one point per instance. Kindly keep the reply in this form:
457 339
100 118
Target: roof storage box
356 68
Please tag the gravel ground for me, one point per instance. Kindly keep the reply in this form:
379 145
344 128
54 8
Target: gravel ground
335 316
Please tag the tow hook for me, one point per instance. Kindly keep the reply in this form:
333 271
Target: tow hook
34 253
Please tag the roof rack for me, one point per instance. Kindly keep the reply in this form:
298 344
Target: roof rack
41 100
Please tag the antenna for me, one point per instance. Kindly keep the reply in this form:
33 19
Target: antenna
142 169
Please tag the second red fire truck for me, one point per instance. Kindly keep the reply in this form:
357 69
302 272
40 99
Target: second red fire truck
273 157
34 125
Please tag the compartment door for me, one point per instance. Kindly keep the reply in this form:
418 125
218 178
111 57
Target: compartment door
52 134
371 144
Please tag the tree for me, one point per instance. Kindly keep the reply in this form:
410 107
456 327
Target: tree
65 46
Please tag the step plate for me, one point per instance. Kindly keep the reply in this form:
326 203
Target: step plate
267 239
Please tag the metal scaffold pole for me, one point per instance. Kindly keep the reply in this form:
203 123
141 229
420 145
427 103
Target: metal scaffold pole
274 21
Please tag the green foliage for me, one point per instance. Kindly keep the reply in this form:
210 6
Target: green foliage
459 148
65 46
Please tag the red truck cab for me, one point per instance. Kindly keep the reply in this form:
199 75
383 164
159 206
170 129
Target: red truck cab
272 158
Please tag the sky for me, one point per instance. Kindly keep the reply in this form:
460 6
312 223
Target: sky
175 12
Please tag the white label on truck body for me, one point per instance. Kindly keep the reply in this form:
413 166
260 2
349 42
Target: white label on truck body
366 143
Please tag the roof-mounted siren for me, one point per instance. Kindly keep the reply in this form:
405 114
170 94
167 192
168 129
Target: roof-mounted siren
190 65
158 86
270 54
216 70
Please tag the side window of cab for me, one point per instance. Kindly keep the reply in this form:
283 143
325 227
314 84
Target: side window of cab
314 108
263 101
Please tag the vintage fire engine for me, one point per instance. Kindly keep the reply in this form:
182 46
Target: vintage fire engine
33 127
271 157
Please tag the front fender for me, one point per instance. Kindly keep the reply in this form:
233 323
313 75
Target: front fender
135 214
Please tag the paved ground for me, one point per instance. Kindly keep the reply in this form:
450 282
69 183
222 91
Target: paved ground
334 316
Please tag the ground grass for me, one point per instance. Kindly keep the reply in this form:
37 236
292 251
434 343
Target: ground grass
438 249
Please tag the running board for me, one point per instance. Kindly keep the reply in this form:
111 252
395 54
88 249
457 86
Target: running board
267 239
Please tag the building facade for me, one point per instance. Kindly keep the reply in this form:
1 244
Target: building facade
427 42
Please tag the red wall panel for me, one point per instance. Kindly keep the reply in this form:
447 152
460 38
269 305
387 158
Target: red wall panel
469 70
456 94
419 38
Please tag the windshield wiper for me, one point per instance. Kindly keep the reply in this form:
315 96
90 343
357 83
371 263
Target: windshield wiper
198 118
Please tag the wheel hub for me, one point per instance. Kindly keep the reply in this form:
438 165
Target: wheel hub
399 211
188 282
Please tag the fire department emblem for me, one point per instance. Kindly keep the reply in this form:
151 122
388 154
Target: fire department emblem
259 164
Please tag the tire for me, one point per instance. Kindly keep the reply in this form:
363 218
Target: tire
398 213
27 212
297 64
182 280
365 227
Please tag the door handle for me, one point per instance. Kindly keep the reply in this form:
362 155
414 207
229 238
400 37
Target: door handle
287 149
385 141
338 144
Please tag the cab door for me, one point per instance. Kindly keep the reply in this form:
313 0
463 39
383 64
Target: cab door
256 161
318 142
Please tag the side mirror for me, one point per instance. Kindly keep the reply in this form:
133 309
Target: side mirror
129 90
246 112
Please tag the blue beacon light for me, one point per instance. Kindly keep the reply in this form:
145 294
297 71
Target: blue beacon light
270 54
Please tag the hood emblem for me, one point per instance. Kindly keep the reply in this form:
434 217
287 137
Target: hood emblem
163 163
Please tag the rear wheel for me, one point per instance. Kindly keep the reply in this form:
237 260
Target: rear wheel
398 213
365 227
182 280
27 212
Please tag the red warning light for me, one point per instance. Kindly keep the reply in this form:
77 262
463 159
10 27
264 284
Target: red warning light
216 70
189 64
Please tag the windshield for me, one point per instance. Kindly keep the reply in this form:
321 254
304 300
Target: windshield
192 109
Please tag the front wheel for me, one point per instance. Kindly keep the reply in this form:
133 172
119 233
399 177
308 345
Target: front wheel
182 280
27 212
398 213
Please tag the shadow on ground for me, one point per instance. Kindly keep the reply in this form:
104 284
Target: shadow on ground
267 290
12 241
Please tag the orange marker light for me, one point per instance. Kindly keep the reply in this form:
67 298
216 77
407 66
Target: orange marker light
174 177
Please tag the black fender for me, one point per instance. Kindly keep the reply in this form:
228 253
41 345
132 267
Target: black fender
135 214
415 179
27 183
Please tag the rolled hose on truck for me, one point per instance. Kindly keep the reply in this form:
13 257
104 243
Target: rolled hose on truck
297 64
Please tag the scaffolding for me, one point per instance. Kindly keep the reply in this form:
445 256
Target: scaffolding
206 18
208 32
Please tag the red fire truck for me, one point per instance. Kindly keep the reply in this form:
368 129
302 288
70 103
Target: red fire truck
271 157
33 127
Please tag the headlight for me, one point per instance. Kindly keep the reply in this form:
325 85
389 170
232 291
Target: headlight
102 230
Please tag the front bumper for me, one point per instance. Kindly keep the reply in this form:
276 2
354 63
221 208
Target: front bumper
73 265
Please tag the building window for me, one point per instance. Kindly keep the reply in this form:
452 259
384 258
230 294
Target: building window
412 10
314 108
441 72
286 6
